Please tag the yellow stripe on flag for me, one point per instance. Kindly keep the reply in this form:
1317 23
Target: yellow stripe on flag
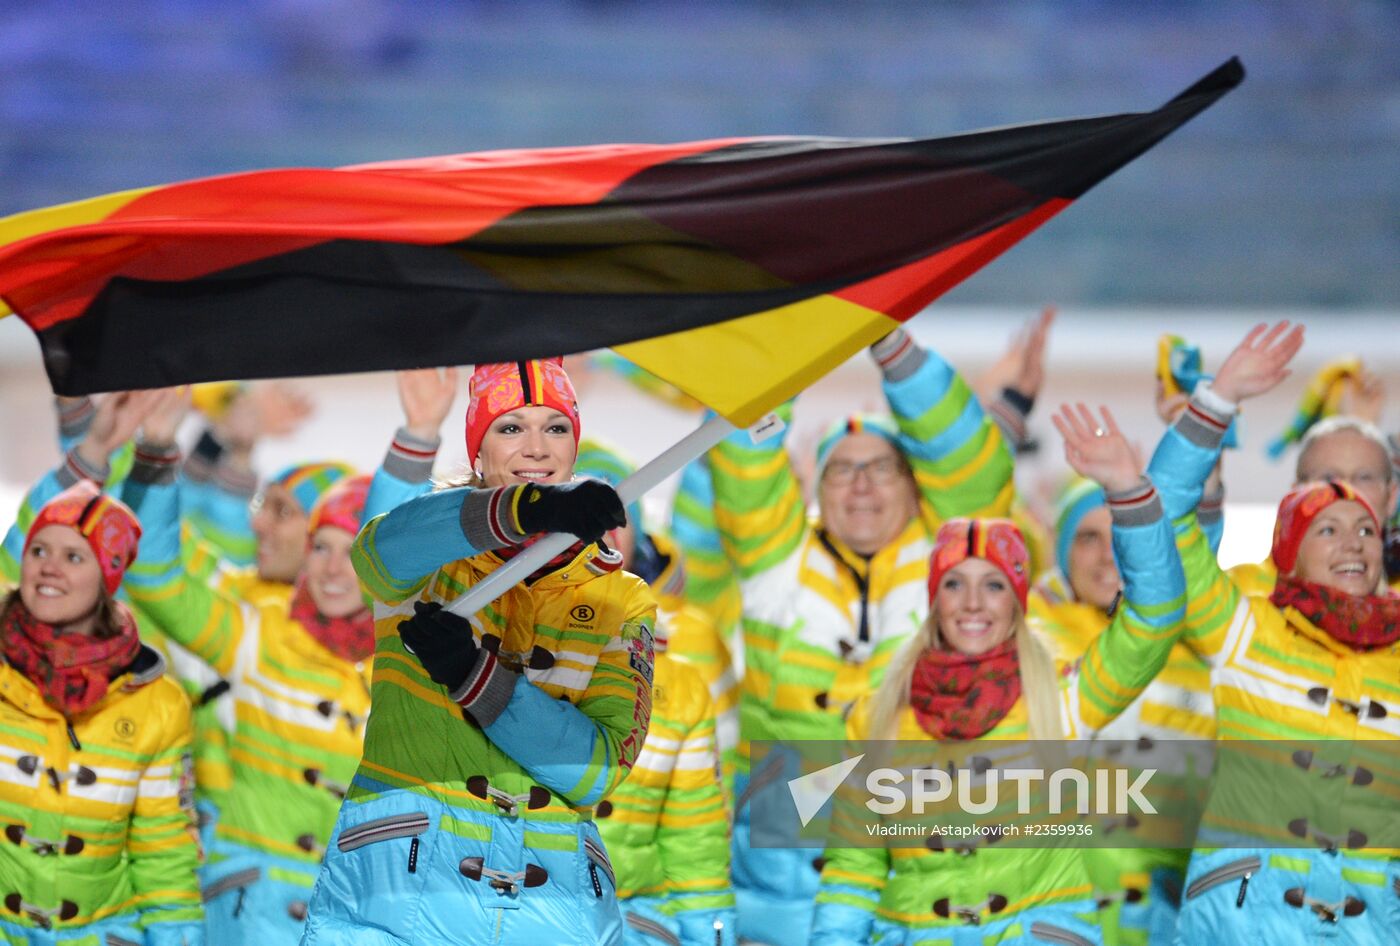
744 366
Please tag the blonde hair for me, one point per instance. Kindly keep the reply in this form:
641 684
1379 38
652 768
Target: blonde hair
468 478
1040 681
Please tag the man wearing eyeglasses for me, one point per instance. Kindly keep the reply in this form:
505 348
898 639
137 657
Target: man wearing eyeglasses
827 602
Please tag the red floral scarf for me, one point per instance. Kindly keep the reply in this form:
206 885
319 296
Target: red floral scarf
1362 622
957 696
72 671
349 638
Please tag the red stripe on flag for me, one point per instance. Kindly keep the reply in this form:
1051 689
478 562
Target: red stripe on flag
240 218
902 293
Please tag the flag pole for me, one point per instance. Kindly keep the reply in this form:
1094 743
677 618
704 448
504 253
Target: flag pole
671 460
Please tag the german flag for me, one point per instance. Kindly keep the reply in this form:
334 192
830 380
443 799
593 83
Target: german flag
739 270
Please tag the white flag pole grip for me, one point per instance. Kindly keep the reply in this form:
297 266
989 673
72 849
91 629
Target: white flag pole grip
536 556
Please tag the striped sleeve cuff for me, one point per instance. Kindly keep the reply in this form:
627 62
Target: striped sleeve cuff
898 355
1206 418
155 464
1010 411
486 691
1137 506
1211 508
74 468
411 458
489 520
204 458
74 417
238 482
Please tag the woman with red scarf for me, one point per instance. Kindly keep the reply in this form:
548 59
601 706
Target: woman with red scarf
1303 850
978 683
96 785
299 674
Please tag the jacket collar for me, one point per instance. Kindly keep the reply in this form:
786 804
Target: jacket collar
17 689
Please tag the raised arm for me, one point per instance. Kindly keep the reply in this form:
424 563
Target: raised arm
426 396
209 624
959 457
1182 464
1125 658
111 424
758 503
709 577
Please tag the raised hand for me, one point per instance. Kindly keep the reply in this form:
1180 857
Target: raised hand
1363 396
1096 448
426 395
1022 366
1258 363
1170 408
167 413
1031 375
263 409
117 417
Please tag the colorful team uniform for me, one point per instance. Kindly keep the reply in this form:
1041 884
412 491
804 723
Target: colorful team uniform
459 833
976 892
821 622
1276 676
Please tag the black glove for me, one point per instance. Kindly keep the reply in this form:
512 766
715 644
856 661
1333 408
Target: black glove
585 508
442 642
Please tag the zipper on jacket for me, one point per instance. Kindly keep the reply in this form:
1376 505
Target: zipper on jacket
1244 867
593 874
1057 934
862 583
1244 887
238 907
73 738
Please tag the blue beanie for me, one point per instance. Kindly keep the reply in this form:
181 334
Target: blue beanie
881 425
1080 497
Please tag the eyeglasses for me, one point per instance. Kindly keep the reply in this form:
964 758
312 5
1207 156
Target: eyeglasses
880 471
1361 478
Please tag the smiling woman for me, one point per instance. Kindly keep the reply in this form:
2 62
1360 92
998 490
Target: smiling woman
1313 658
75 677
492 740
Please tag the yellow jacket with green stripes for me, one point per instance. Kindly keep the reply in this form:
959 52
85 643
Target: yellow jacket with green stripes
299 710
98 812
1274 676
1175 705
814 639
875 890
665 827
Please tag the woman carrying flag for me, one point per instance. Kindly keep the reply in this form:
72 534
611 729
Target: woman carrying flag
493 738
96 782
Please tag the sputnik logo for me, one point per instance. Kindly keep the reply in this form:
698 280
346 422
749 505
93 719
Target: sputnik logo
813 790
